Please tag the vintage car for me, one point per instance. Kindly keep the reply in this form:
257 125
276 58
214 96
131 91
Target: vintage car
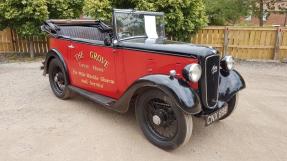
133 65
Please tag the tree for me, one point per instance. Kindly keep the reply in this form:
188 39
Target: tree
98 9
26 16
261 8
283 8
123 4
183 17
65 8
222 12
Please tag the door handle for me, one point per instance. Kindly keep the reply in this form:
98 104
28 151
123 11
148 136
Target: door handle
71 46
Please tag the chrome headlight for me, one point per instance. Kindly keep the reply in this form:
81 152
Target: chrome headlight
227 63
192 72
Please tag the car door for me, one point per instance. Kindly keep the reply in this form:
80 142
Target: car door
92 67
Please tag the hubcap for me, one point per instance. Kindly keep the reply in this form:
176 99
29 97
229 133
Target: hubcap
156 119
161 119
56 77
59 81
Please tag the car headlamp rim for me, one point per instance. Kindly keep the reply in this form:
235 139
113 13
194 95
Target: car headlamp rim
228 62
193 72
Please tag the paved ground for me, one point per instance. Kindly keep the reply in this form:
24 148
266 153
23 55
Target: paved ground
36 126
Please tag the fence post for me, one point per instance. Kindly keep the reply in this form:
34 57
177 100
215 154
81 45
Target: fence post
31 46
12 39
226 41
277 43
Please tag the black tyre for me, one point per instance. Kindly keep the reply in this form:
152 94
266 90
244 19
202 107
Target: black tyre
161 121
58 79
231 106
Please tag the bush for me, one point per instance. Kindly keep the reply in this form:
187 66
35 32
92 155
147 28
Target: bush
183 18
98 9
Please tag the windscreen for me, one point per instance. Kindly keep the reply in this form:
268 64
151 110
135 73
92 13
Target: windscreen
134 25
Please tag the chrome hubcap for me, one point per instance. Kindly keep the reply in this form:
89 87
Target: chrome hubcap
59 82
56 78
156 119
161 119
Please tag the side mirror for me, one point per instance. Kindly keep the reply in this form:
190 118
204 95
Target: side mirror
107 41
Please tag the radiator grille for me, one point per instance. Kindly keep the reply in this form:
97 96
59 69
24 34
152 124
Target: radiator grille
211 80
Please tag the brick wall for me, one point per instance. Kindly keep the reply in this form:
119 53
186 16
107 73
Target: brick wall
273 19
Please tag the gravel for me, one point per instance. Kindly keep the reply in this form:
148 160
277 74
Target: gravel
36 126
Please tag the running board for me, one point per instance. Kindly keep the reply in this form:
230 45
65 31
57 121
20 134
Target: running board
100 99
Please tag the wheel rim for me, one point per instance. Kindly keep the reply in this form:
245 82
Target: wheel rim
58 80
161 119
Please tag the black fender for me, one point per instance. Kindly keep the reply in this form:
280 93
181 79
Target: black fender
229 85
185 97
53 53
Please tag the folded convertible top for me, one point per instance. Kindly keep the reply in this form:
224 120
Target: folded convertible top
53 27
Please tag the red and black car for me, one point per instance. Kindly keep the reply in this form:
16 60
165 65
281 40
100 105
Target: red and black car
133 65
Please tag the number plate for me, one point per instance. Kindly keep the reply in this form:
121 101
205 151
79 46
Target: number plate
209 119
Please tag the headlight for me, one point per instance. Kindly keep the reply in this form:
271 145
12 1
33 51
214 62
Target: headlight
192 72
227 63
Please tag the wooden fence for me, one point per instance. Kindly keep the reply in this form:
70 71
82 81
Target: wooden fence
246 43
10 42
241 42
6 44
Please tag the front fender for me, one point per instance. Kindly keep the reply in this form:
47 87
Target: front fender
185 97
229 85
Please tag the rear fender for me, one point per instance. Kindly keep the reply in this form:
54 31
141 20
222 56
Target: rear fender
53 53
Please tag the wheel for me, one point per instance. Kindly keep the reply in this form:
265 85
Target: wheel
58 79
232 104
161 121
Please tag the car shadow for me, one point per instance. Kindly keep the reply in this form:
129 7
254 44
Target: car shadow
201 134
109 115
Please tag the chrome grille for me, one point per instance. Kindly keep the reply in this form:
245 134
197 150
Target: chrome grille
210 81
